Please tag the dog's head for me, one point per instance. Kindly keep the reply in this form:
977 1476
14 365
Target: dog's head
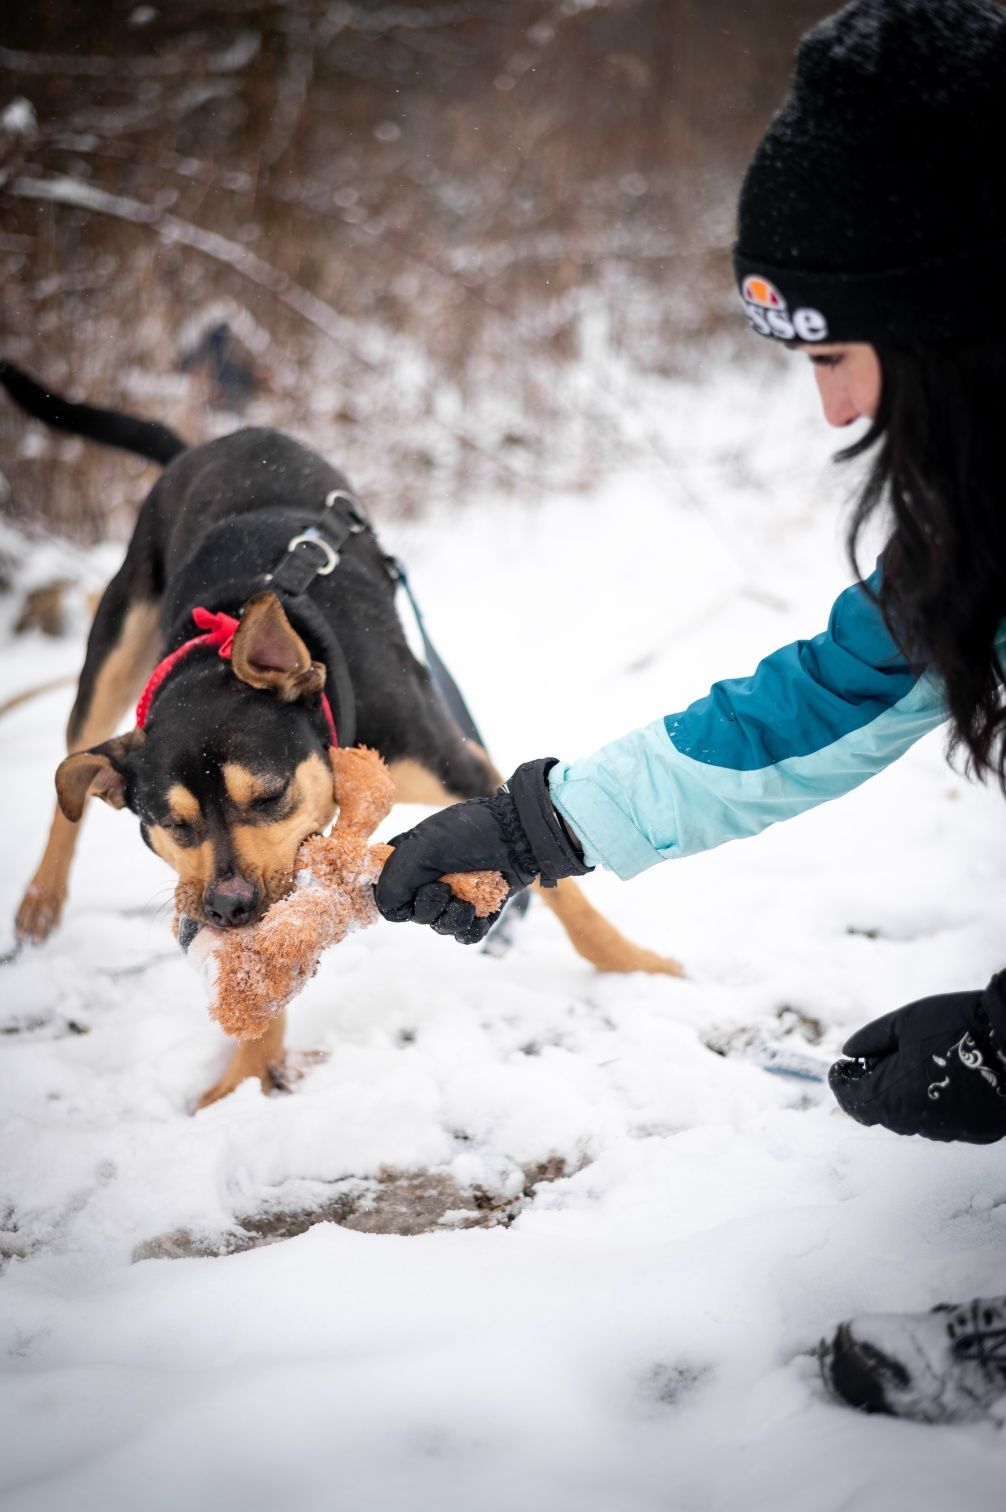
231 773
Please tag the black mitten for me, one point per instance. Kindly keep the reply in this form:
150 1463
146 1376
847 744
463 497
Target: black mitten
936 1068
516 832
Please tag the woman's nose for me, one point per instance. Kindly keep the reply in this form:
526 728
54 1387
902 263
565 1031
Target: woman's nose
838 408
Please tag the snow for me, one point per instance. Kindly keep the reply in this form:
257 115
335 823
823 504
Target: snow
639 1335
19 118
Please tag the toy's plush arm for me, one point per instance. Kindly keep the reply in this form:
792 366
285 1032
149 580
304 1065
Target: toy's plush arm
486 891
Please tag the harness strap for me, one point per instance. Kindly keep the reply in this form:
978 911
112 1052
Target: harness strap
316 550
337 669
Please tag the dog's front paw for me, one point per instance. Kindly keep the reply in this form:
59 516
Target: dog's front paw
39 913
294 1067
273 1075
254 1058
262 1059
227 1084
236 1073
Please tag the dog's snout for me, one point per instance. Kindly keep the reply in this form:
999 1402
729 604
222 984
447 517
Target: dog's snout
230 903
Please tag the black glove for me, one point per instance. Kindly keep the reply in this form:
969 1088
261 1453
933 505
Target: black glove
517 832
936 1068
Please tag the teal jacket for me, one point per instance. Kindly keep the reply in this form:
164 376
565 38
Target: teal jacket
813 721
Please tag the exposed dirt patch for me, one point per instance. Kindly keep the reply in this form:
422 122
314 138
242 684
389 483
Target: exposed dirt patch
792 1027
397 1202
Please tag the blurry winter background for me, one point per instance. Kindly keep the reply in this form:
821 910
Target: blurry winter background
453 242
529 1235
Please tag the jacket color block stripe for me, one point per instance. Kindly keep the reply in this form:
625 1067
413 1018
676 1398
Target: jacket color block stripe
814 720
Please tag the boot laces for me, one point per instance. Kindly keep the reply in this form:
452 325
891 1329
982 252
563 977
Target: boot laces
978 1332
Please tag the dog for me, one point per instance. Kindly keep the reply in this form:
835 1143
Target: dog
228 767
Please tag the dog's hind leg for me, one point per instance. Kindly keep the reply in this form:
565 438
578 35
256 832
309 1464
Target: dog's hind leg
596 940
121 650
590 934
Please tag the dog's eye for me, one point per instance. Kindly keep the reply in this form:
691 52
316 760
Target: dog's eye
180 830
266 801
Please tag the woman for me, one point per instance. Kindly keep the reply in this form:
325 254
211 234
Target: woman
872 234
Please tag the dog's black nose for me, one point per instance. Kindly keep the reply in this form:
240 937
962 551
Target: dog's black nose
231 903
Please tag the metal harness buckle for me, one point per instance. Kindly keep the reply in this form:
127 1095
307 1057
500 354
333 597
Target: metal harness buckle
333 497
328 534
313 537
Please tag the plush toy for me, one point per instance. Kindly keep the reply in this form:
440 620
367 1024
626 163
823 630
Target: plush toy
253 973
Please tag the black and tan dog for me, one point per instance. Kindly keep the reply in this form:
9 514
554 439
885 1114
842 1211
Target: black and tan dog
231 770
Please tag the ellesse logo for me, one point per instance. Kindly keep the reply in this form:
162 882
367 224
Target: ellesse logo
760 292
767 311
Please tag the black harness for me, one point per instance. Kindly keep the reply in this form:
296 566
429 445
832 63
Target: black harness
315 552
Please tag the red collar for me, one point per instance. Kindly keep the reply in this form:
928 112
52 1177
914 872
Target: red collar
220 630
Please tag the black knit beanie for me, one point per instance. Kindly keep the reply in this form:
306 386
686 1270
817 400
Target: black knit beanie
875 207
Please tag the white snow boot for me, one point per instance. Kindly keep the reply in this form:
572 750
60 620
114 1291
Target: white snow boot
944 1366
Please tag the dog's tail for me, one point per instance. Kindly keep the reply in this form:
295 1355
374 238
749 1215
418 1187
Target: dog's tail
128 432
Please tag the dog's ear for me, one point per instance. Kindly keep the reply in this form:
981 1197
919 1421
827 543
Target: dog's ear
268 652
99 773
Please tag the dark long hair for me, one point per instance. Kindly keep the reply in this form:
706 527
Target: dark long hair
940 471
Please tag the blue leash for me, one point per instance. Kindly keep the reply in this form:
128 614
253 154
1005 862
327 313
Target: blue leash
459 711
444 683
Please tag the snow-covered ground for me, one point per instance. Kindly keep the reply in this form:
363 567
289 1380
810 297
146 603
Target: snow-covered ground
638 1336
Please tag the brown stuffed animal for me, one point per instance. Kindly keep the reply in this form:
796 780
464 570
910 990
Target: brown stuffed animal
253 973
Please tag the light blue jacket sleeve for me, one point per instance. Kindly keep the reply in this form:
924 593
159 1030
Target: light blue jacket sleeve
814 720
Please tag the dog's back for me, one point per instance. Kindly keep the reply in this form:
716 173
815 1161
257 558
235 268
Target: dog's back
234 476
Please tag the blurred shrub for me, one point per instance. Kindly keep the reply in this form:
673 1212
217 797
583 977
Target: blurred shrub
458 238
